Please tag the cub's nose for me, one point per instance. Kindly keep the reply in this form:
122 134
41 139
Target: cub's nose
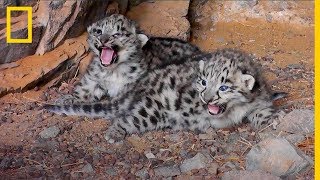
207 98
104 38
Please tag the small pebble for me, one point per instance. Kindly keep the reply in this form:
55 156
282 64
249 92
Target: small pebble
150 155
96 139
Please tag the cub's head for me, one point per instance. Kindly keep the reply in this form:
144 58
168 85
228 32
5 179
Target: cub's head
226 80
114 39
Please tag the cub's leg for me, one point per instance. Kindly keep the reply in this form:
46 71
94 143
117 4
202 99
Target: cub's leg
262 116
127 125
88 90
121 128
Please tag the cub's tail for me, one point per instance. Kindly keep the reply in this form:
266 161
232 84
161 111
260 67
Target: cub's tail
89 110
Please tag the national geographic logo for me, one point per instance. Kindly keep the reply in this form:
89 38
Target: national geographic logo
20 8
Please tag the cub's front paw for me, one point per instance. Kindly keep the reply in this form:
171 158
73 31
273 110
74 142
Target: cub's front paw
260 123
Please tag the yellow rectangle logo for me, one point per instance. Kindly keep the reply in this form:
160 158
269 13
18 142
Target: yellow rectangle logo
22 8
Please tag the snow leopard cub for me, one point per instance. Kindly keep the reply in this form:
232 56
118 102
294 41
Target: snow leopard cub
121 56
213 90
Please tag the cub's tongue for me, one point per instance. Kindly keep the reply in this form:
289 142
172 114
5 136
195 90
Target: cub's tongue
213 109
106 56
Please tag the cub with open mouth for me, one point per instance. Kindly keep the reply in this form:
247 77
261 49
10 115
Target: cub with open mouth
232 89
229 85
108 55
122 54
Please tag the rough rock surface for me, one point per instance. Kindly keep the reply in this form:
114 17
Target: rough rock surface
295 138
167 171
87 168
244 175
53 22
34 69
142 173
49 132
13 52
66 19
163 18
5 3
278 157
298 121
197 162
270 11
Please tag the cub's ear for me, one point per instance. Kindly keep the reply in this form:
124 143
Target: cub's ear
201 65
248 80
89 29
143 38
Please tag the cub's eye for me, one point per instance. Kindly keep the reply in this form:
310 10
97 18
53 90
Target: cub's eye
203 82
223 88
116 34
99 32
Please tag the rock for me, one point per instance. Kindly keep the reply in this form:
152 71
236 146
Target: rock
210 134
87 168
123 5
35 69
228 166
96 139
213 168
174 137
5 3
211 12
14 51
138 143
162 18
53 22
74 16
205 136
49 132
150 155
295 138
113 8
278 157
197 162
111 172
143 173
244 175
267 135
298 121
6 163
167 171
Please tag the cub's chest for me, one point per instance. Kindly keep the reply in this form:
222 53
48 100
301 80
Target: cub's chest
115 83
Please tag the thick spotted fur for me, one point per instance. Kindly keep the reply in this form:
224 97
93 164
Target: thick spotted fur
178 96
136 54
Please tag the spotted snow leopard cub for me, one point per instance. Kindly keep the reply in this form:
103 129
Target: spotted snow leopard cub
213 90
121 56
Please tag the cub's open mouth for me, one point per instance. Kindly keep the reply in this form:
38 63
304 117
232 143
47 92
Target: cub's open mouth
216 109
107 55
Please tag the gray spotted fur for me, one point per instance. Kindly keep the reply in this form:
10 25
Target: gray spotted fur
174 97
136 56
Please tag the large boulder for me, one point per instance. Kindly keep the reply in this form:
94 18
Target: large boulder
298 121
278 157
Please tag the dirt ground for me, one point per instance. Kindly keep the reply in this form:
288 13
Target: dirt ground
286 52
